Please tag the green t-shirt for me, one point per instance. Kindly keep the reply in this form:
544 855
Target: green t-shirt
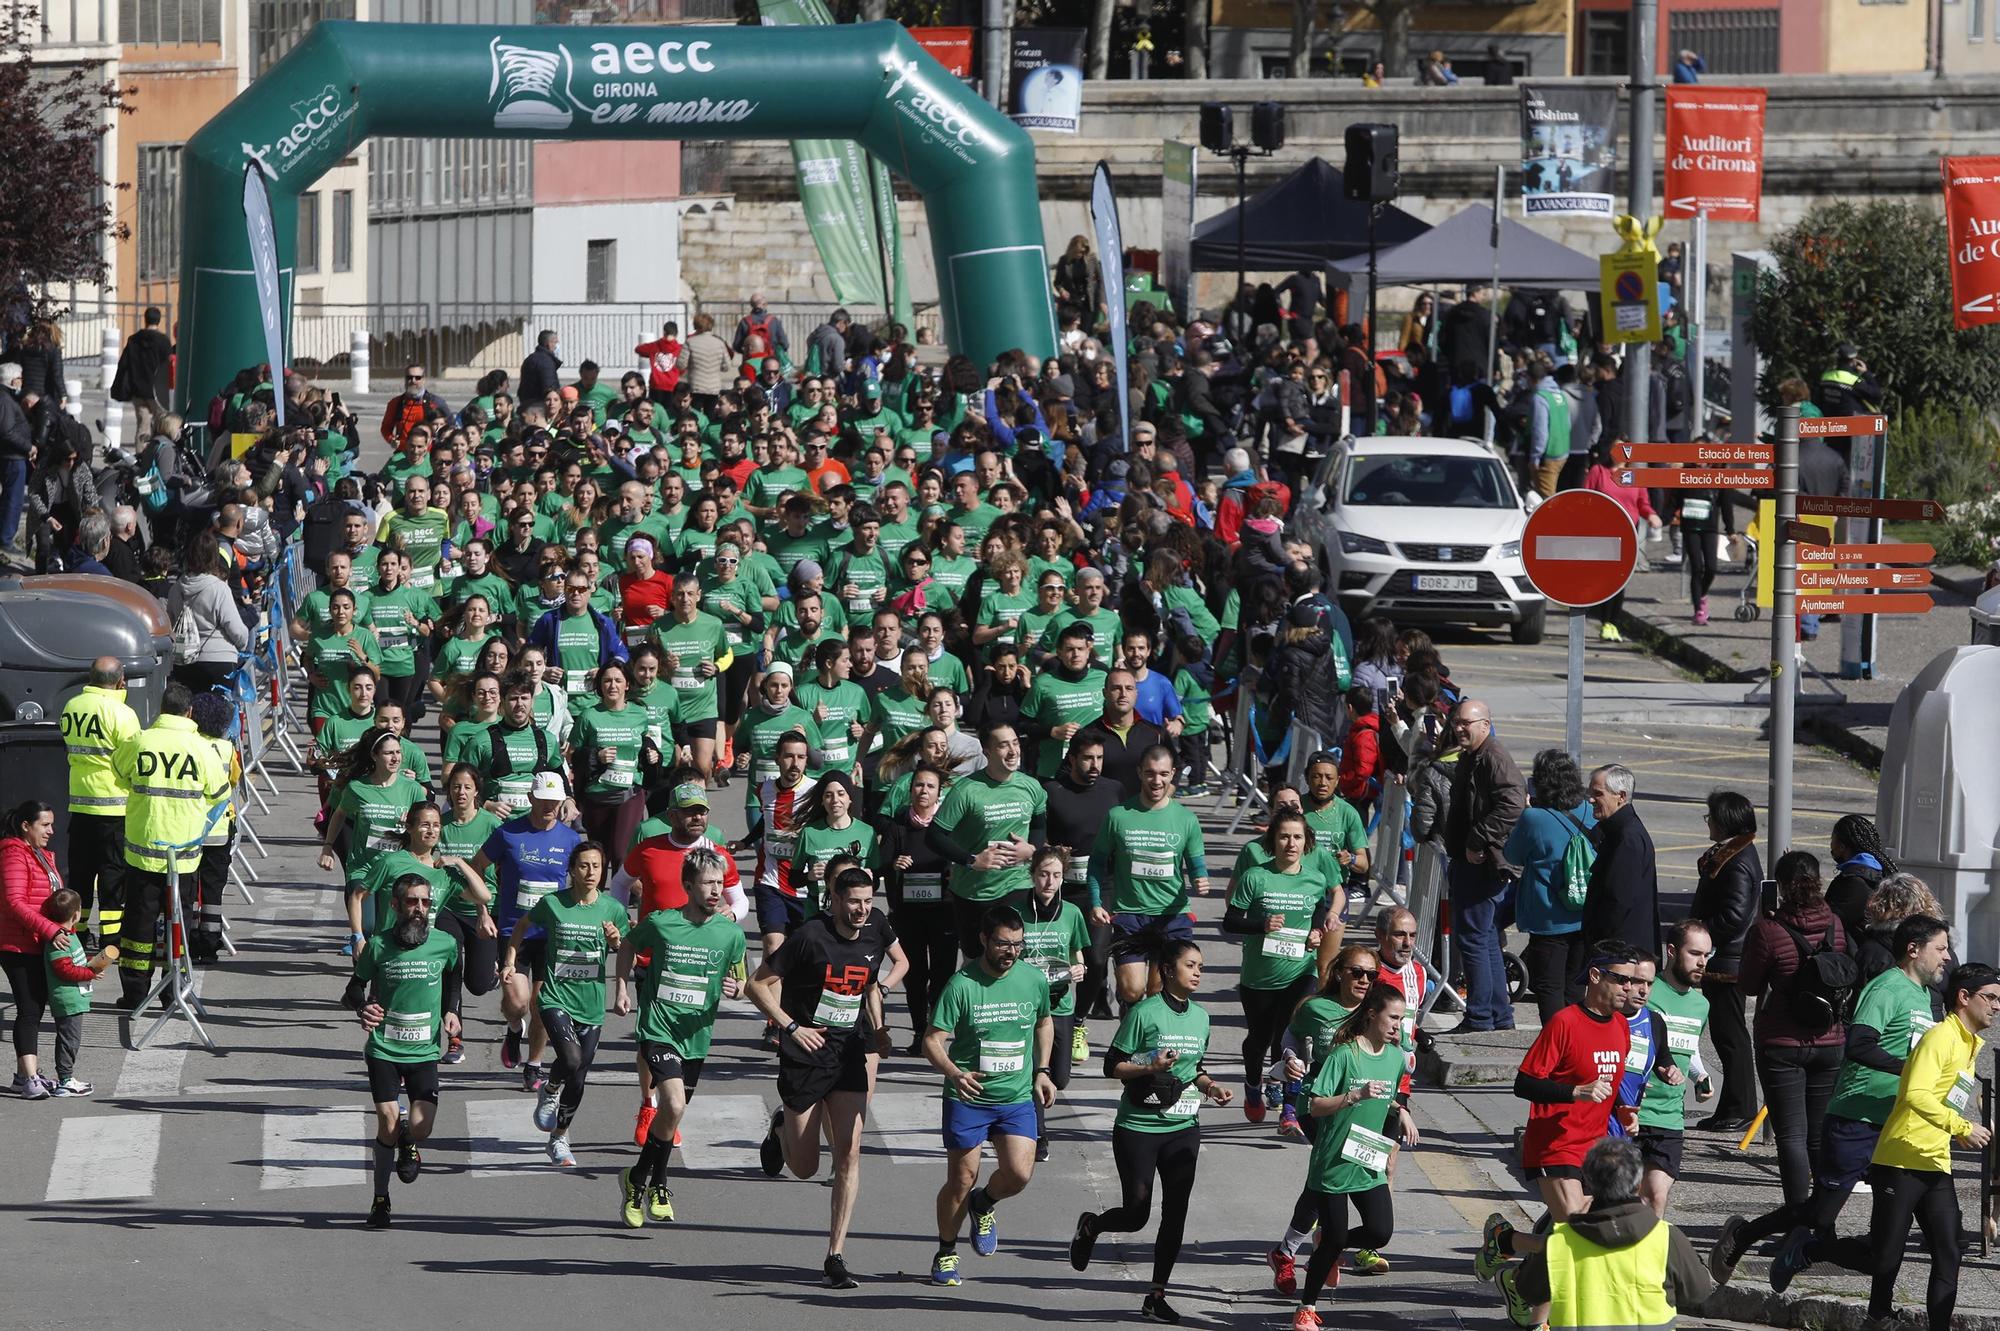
952 573
897 537
979 812
682 984
315 615
1146 856
948 671
333 658
976 522
768 486
867 574
1197 704
704 638
67 998
845 703
1338 826
817 843
396 616
1051 945
1319 862
1351 1152
459 657
1901 1009
1683 1014
579 651
722 601
499 593
789 550
576 952
409 984
462 743
1054 701
423 536
342 731
624 732
375 816
1277 960
758 734
467 839
897 713
663 715
998 607
992 1020
1105 627
1315 1021
1152 1024
447 888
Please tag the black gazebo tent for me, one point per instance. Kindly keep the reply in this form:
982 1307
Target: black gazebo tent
1304 222
1460 249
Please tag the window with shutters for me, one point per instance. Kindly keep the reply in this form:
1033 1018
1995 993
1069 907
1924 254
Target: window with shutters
600 264
159 211
1731 41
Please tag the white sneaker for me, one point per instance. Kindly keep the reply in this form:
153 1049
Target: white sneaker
559 1152
72 1087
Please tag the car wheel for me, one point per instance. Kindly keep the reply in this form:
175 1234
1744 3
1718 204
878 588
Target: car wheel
1529 631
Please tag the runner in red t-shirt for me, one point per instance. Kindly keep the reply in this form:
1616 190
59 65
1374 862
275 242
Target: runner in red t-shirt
1569 1079
654 862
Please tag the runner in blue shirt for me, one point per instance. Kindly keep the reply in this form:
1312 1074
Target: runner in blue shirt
531 854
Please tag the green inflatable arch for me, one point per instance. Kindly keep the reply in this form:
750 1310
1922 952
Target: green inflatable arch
868 82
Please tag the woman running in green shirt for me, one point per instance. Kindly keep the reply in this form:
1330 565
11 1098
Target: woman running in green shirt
459 656
827 827
607 749
330 656
839 706
1279 909
373 797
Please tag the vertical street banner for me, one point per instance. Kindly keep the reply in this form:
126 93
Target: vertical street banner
263 232
1111 262
1045 78
1715 152
1972 228
951 47
1569 150
901 308
1178 166
834 188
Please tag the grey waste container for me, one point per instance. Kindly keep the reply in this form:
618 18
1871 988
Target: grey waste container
52 628
1938 804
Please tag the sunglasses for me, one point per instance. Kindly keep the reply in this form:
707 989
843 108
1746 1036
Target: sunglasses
1361 972
723 559
417 901
1623 980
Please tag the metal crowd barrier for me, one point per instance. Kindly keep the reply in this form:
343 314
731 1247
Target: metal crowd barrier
265 725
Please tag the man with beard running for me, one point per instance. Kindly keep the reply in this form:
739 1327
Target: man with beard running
992 1017
822 989
1081 797
401 978
1679 1013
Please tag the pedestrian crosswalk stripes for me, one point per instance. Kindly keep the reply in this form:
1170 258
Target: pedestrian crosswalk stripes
101 1156
908 1128
501 1137
316 1148
721 1132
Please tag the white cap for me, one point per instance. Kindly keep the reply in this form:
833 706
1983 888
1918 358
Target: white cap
548 786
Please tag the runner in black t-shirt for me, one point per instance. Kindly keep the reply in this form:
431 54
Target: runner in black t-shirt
823 989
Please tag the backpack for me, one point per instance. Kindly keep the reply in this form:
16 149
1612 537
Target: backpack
188 636
1461 404
323 531
1818 990
1578 857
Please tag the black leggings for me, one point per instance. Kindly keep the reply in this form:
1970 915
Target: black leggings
1265 1015
575 1048
479 964
1378 1223
1095 989
1698 549
610 820
736 685
1900 1196
930 940
1060 1064
1140 1155
28 981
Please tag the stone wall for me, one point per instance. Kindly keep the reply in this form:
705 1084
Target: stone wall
1826 138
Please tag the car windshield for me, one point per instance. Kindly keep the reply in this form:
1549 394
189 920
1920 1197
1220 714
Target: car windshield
1415 480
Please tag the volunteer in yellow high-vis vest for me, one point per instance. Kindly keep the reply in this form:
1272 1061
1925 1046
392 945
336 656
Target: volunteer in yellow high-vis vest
94 723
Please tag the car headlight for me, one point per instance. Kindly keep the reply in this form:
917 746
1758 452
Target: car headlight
1510 549
1352 543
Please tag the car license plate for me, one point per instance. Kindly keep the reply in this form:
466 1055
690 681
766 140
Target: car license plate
1446 582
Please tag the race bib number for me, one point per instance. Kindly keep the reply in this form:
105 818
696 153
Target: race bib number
1697 510
423 579
780 846
860 605
764 769
1370 1150
687 679
836 753
1919 1023
451 568
1188 1105
1077 871
1683 1034
383 841
1288 943
1154 870
1962 1095
923 887
617 776
513 801
837 1011
407 1027
999 1056
574 965
683 990
1638 1060
574 682
533 890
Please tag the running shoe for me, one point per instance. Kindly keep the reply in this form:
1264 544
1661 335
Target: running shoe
1041 1150
837 1274
1288 1124
771 1151
1284 1271
986 1233
30 1088
677 1138
455 1053
1157 1309
944 1268
378 1214
659 1202
72 1087
1305 1319
1519 1311
1791 1259
533 1076
642 1128
510 1049
409 1162
1728 1250
1253 1101
629 1209
548 1101
559 1152
1079 1044
1082 1242
1491 1256
1274 1095
1368 1262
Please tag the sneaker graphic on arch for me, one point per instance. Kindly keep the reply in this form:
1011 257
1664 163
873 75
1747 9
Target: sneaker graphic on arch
524 86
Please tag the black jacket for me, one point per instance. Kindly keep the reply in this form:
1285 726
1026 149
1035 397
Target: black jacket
1624 897
1725 899
139 365
539 373
1487 798
15 433
1121 754
1196 397
993 704
1847 895
1075 813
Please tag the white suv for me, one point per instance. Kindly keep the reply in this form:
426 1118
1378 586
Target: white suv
1428 531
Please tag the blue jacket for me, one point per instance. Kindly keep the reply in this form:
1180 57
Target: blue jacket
1537 844
610 643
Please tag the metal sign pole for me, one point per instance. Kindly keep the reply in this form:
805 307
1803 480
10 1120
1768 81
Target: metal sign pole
1573 715
1694 313
1784 632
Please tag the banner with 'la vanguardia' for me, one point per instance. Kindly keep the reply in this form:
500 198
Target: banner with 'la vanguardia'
1569 149
1972 226
1715 152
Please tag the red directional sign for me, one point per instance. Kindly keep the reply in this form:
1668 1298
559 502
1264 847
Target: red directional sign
1699 478
1833 427
1972 230
1701 455
1843 506
1715 152
1862 579
1879 604
1815 551
1579 548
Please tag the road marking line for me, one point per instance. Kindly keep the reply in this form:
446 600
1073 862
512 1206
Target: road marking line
722 1132
105 1157
501 1137
156 1070
909 1128
316 1148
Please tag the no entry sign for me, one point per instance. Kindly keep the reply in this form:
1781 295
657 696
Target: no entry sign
1972 228
1579 548
1715 152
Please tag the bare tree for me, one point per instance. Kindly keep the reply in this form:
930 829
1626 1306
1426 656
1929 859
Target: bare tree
1196 41
1393 18
1101 12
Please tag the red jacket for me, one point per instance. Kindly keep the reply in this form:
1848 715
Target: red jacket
663 362
27 878
1360 758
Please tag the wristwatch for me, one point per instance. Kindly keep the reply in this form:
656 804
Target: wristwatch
791 1028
